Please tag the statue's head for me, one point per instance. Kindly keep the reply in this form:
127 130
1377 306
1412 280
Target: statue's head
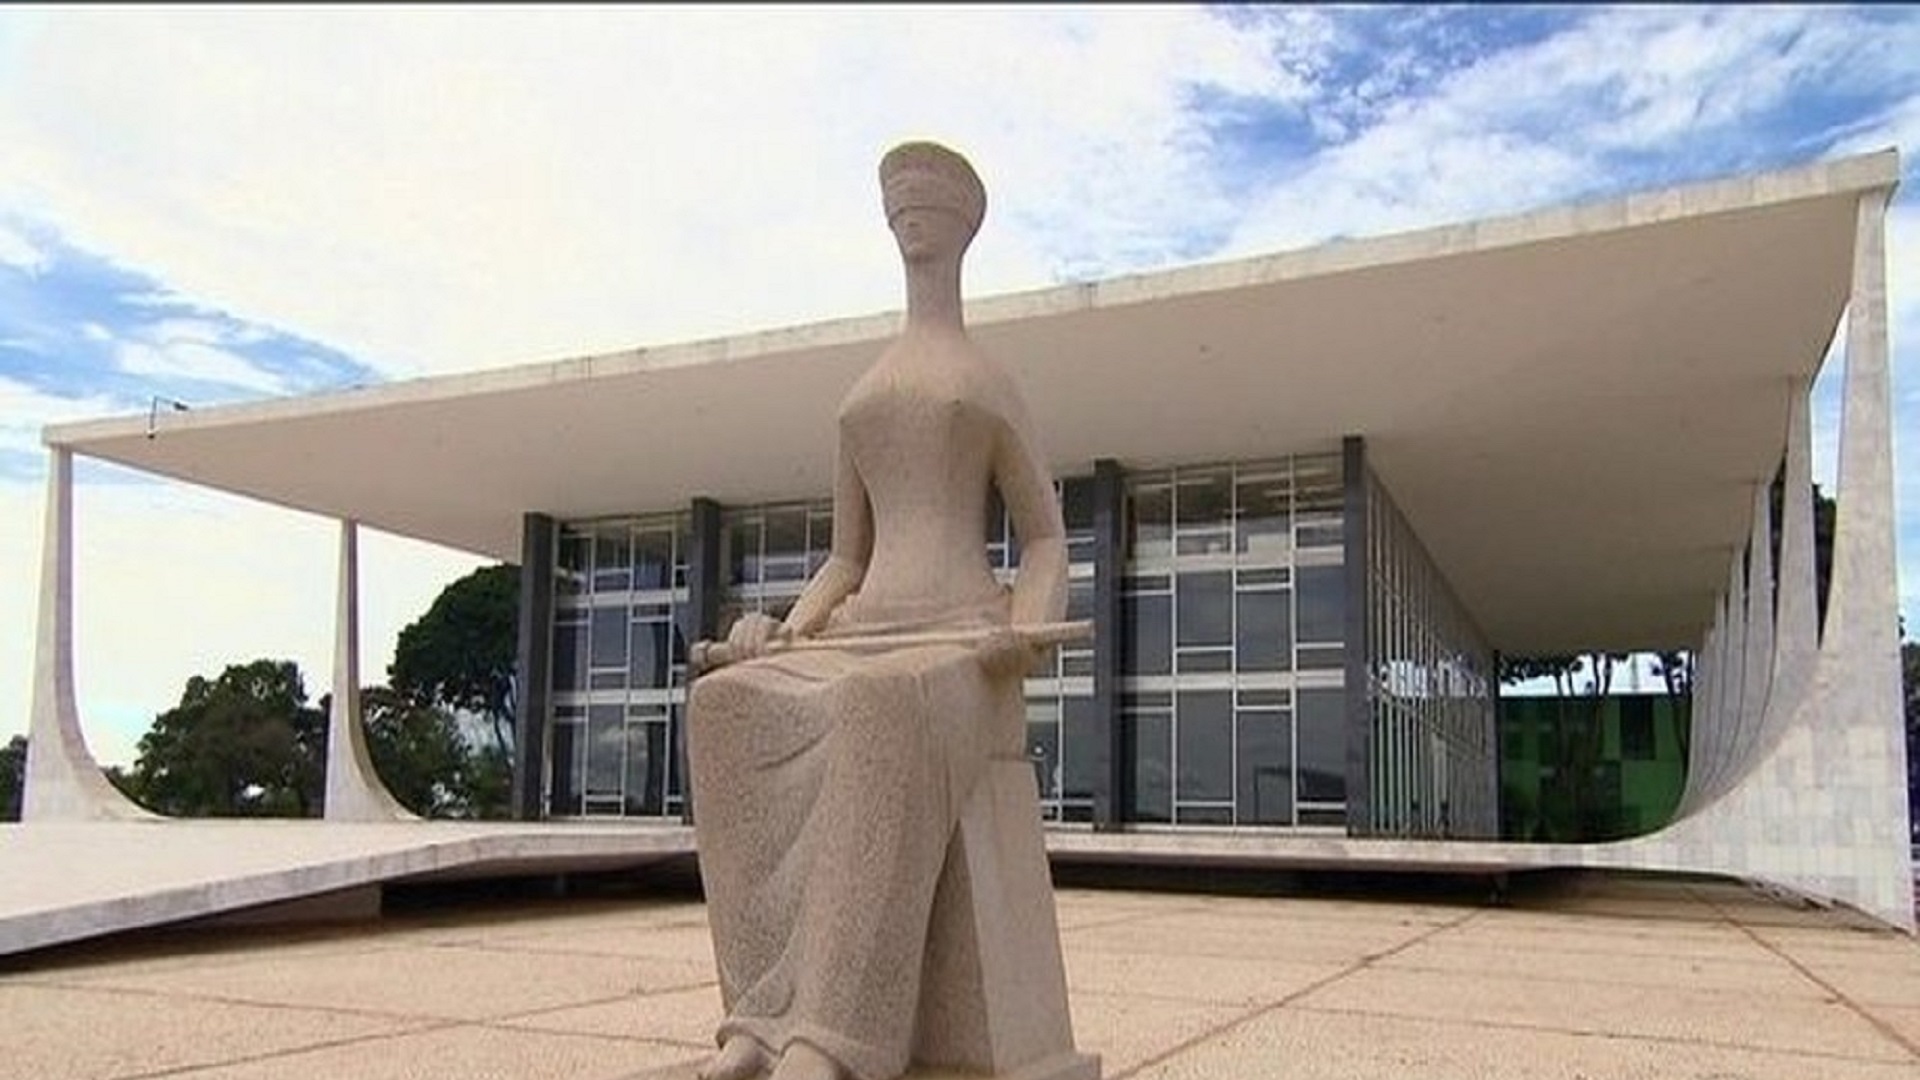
922 183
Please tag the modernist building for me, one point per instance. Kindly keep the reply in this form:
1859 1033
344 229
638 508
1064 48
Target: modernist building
1310 495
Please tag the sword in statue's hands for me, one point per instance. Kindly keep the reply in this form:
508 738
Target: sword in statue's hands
707 655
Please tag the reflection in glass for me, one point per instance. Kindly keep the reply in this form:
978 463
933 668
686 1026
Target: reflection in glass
646 792
1085 755
1149 522
1149 642
569 657
605 734
653 559
565 794
1264 640
1150 736
1205 608
1262 522
1323 745
609 637
649 654
1322 598
1205 730
575 553
1264 787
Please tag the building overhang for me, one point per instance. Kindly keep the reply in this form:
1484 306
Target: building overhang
1571 406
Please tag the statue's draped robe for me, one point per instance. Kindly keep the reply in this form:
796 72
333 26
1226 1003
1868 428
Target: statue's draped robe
827 783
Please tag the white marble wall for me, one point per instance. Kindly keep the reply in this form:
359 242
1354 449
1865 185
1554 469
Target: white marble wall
1799 776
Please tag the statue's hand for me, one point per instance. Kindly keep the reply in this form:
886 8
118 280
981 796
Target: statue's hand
751 635
1007 653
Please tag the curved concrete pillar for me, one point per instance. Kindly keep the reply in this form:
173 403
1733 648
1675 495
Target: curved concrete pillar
1796 640
1756 656
354 789
63 781
1821 806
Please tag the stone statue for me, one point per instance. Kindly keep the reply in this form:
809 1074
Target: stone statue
875 883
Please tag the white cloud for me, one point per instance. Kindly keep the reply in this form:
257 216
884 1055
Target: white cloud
25 410
190 349
19 252
1532 125
450 189
173 581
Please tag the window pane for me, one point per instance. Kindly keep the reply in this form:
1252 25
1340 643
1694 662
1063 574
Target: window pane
1261 525
1043 746
1151 734
1265 635
565 796
1264 789
1085 755
653 559
1205 729
786 545
1149 523
1076 502
569 657
605 733
575 551
1149 641
1322 596
741 539
1323 745
649 667
612 561
1205 608
610 637
647 768
1205 498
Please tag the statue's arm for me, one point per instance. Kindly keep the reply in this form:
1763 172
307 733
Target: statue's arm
1026 487
846 563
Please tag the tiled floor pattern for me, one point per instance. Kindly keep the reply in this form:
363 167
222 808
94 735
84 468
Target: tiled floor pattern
1616 978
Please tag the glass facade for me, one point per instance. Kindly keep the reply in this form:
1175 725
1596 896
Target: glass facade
1431 692
1233 600
619 668
1230 697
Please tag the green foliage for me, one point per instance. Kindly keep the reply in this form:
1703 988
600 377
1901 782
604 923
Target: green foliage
244 744
13 777
418 752
459 656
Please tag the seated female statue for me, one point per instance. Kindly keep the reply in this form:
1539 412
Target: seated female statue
828 780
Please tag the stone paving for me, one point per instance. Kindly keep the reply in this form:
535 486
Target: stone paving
1607 977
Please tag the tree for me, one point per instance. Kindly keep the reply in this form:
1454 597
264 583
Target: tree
418 752
459 656
13 776
246 743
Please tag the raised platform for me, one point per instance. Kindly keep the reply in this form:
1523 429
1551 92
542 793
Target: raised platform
62 883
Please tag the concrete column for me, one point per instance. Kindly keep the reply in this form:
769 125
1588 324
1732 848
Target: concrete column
354 789
533 666
1862 766
1796 639
1359 689
1757 662
700 620
63 781
1113 773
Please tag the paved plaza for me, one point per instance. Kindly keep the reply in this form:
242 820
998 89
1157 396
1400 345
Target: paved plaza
1587 977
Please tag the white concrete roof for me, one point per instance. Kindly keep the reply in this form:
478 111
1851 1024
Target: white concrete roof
1569 405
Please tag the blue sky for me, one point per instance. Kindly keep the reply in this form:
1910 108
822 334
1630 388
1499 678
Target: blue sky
211 206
